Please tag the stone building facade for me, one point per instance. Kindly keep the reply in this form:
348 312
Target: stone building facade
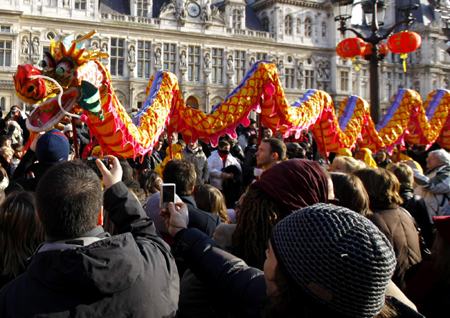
210 45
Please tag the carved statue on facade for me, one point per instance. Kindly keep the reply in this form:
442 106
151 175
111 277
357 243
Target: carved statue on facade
207 61
281 68
131 55
158 57
327 71
35 46
300 69
320 71
230 63
105 48
206 11
183 59
25 43
180 9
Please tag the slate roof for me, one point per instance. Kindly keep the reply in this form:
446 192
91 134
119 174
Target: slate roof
115 7
123 7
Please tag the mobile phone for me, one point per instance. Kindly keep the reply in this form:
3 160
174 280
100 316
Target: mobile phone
90 162
167 194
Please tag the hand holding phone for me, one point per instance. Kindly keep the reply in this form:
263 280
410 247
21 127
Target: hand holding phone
167 194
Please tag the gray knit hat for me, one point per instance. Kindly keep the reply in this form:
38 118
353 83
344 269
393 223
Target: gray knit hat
337 256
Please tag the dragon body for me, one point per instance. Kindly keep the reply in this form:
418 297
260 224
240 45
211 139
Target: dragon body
72 80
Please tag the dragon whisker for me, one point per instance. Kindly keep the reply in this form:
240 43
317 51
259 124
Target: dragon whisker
59 95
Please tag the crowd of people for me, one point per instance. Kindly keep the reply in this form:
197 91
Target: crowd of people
261 226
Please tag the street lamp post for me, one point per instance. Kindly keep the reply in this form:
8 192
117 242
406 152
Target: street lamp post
372 8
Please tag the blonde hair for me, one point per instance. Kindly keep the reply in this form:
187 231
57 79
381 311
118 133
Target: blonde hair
4 150
350 164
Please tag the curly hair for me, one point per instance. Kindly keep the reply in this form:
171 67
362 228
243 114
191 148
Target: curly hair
258 215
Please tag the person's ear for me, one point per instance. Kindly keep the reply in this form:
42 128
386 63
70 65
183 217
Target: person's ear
100 217
275 156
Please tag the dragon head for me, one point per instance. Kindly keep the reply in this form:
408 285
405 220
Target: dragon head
63 80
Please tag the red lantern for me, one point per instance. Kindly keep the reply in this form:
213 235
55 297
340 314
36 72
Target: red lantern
403 43
349 48
367 50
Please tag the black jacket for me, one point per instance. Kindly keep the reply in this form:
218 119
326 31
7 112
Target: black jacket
131 274
416 205
27 174
199 219
149 161
240 288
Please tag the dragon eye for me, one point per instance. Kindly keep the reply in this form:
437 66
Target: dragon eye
65 68
48 63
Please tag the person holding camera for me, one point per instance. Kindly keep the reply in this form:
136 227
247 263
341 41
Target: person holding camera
81 270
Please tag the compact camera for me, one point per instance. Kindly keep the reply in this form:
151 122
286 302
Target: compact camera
90 162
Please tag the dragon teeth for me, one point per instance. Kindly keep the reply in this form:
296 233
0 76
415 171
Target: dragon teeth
40 123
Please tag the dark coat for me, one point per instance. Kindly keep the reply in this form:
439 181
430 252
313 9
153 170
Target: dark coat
149 162
27 174
399 228
416 205
199 219
240 288
427 292
83 135
131 274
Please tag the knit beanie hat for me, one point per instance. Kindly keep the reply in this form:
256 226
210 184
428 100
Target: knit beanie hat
52 147
337 256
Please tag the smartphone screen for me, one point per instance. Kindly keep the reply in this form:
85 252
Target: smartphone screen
168 193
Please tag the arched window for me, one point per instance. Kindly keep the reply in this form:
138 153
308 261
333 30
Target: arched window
237 18
2 103
192 101
266 24
324 29
288 25
308 27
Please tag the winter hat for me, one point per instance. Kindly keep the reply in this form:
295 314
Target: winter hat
337 256
52 147
67 128
295 183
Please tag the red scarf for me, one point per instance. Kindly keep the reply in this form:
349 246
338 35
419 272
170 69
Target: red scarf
223 157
